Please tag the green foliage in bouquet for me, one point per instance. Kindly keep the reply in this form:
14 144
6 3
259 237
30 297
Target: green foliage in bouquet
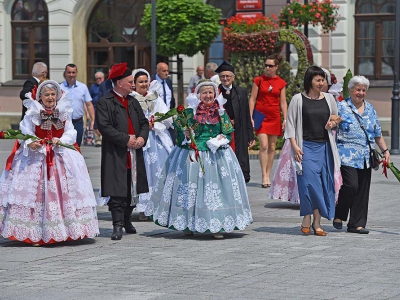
347 78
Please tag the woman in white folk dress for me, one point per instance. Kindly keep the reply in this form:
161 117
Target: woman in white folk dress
159 144
46 195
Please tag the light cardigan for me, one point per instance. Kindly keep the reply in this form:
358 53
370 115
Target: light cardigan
294 127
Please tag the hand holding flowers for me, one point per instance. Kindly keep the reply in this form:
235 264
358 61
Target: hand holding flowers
12 134
181 113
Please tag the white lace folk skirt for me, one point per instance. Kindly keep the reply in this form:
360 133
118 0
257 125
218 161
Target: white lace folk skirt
185 198
35 209
155 156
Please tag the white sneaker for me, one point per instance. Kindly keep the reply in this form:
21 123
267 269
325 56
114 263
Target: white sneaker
218 236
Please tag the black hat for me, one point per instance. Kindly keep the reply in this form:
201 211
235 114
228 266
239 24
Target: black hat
225 66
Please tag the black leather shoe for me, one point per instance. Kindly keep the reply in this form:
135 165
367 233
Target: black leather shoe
129 228
337 225
360 231
117 232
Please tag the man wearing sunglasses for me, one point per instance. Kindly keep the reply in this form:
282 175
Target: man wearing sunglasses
237 108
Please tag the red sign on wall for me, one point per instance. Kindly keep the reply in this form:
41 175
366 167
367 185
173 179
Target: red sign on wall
249 5
250 15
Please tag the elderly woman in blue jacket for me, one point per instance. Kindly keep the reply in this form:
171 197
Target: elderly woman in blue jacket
357 133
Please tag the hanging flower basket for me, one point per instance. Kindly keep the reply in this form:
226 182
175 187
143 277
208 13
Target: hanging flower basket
260 42
321 12
251 35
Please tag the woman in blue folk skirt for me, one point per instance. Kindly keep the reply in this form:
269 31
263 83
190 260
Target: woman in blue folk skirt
192 200
311 117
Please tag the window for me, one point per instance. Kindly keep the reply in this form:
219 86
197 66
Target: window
114 35
30 36
374 47
217 53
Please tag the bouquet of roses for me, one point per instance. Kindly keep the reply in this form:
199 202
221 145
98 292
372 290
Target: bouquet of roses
385 165
12 134
181 113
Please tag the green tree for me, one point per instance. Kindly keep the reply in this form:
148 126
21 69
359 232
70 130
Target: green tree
183 27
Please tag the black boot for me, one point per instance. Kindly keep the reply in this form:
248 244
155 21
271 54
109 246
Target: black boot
118 223
127 220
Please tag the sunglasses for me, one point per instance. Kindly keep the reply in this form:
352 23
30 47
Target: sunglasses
99 78
269 66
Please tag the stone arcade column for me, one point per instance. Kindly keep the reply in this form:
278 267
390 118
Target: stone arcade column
67 36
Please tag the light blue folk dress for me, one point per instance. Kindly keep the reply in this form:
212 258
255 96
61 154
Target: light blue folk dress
188 199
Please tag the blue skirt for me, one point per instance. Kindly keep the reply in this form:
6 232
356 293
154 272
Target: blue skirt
316 184
185 198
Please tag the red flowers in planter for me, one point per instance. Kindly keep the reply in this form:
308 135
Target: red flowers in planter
321 12
257 35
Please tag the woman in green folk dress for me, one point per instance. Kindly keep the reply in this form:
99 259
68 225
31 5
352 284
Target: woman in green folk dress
188 199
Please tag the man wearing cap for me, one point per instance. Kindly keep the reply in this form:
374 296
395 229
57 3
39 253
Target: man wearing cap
237 108
124 127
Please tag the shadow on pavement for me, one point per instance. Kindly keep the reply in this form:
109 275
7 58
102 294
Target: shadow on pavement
280 205
80 242
281 230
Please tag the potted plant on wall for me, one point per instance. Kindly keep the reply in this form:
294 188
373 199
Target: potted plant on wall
323 13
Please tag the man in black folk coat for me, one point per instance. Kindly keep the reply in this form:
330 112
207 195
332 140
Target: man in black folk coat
237 108
39 72
123 125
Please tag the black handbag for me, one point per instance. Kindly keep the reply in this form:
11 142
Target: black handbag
373 155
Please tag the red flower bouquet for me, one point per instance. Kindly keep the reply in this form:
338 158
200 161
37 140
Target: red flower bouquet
12 134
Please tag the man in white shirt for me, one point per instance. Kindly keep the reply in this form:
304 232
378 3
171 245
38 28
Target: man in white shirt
194 80
80 96
211 74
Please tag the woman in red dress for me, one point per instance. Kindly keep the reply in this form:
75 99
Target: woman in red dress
268 96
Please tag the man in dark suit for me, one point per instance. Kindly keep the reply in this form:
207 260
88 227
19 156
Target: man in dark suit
167 93
161 76
39 72
237 108
105 87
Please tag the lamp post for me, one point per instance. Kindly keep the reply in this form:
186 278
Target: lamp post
395 99
153 36
287 45
306 25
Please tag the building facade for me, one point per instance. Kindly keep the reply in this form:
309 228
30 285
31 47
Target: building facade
96 33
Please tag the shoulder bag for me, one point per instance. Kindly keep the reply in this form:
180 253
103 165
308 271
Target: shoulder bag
258 117
373 155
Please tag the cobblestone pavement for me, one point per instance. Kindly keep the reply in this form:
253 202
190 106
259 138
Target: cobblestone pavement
271 259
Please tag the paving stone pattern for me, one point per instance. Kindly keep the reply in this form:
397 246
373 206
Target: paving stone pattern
271 259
